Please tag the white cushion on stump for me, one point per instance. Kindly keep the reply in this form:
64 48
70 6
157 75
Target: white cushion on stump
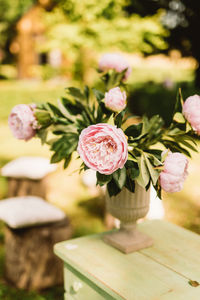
33 167
19 212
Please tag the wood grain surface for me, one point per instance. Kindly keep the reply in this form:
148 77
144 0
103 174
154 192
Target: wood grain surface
161 272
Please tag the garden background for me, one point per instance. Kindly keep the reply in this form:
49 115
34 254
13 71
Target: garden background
47 45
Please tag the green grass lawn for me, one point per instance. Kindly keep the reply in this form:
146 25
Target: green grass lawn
182 208
13 93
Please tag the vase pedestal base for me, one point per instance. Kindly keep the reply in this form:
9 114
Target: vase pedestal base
127 241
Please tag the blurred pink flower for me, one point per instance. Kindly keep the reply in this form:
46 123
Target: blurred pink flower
115 99
191 111
116 62
174 173
22 122
168 84
103 148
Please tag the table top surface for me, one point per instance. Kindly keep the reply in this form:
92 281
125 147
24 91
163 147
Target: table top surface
160 272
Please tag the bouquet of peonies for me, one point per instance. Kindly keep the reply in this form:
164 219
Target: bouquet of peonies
94 123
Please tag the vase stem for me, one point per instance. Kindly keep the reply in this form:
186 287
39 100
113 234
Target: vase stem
129 226
128 208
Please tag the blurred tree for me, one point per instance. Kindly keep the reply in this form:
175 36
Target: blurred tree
10 12
180 17
81 28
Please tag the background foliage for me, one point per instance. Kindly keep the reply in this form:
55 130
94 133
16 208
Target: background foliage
82 30
180 17
10 13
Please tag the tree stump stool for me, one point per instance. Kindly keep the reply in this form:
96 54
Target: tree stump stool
27 176
29 259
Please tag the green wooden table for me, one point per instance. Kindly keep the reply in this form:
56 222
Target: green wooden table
96 271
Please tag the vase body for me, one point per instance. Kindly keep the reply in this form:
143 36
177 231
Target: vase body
128 208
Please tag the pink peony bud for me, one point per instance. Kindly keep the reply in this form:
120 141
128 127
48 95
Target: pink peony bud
103 148
22 122
191 111
115 100
174 173
116 62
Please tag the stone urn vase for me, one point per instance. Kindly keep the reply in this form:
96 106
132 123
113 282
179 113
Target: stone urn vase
128 208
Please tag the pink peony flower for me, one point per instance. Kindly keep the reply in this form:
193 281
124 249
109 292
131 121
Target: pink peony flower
115 100
103 148
191 111
174 173
116 62
22 122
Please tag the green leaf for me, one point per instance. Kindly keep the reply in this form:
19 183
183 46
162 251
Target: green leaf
134 173
190 138
153 126
153 173
42 134
65 111
60 128
64 146
86 119
130 157
182 141
174 147
188 145
87 92
179 118
134 130
144 176
119 118
164 156
148 185
130 185
111 120
179 102
51 141
75 92
67 161
99 115
155 160
56 158
132 169
112 188
157 153
145 124
188 127
54 109
158 191
120 177
113 78
98 94
102 178
73 106
43 117
130 164
106 111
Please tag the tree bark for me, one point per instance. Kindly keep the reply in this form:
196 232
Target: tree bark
30 262
25 186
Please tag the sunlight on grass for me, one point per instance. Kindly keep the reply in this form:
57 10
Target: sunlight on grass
17 92
12 148
156 74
